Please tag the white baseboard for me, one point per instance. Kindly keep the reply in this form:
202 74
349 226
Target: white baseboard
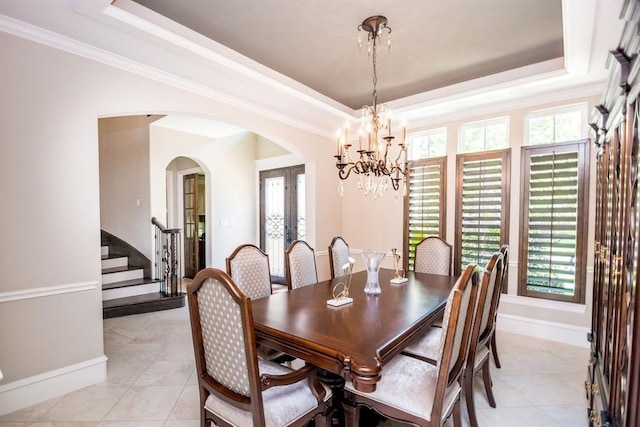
38 388
560 332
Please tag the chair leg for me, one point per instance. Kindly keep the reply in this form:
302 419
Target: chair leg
494 351
486 376
457 419
468 395
323 420
351 415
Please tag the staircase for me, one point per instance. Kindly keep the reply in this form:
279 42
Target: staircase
125 290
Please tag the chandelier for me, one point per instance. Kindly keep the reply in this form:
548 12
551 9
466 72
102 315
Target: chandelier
377 169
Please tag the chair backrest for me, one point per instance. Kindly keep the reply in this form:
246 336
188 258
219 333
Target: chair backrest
248 265
489 290
338 256
504 250
224 341
300 261
434 256
497 292
456 331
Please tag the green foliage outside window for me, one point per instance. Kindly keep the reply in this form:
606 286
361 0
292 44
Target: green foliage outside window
484 136
555 127
428 144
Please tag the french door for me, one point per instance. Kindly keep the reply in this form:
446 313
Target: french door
282 214
194 224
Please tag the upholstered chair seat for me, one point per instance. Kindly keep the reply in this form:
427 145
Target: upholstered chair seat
409 385
282 405
237 388
413 391
425 347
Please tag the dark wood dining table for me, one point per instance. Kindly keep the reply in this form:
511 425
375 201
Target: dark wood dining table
354 340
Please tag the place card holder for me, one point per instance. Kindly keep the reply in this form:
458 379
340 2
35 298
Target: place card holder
339 302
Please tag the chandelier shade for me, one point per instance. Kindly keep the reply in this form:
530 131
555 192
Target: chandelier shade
375 165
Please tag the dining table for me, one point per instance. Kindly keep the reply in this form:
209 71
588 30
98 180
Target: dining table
355 340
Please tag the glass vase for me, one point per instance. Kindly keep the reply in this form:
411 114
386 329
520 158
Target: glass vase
372 262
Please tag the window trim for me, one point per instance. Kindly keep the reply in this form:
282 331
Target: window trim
505 155
582 147
442 227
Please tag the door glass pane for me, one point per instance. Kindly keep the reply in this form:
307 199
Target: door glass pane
300 186
274 223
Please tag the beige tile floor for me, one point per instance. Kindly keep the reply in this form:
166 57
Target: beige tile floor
151 382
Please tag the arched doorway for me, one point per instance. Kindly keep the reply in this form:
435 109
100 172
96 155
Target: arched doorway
186 208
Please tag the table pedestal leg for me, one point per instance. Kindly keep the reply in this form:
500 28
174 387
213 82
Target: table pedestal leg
336 384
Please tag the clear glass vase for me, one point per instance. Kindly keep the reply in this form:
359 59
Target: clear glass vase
372 262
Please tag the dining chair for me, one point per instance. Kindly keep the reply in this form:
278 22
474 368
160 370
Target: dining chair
248 265
300 261
420 393
425 347
433 256
338 256
236 388
483 330
504 288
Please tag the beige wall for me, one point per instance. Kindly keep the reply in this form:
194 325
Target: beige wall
50 190
51 212
230 191
124 179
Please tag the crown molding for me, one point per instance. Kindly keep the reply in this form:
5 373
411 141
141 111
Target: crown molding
130 35
57 41
150 22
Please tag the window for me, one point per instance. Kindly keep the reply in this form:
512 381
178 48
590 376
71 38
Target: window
557 125
485 135
428 144
482 206
424 211
554 221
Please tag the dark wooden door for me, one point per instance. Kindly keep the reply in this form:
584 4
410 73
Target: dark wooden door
282 214
194 224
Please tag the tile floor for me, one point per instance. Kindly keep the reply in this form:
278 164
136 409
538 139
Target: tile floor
151 382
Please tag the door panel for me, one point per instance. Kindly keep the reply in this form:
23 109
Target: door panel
282 214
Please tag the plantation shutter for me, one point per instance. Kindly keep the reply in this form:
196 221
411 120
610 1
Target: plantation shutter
552 215
482 206
424 204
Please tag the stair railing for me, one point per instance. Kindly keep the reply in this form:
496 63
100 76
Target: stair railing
168 258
